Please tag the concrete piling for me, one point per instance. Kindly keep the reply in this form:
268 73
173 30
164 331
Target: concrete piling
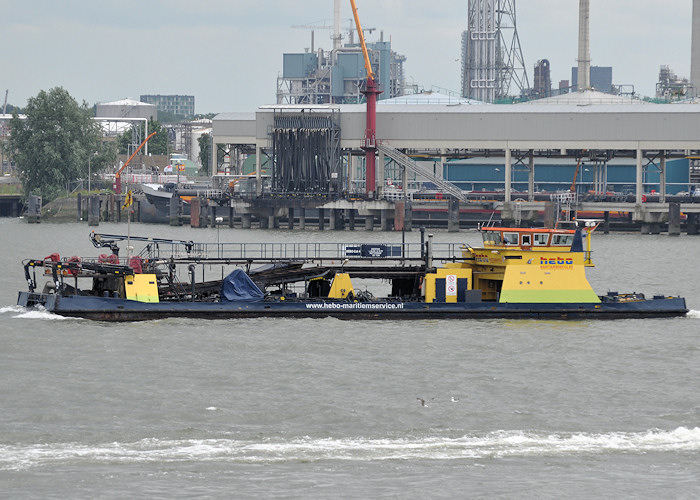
93 210
321 219
674 219
302 219
175 211
246 221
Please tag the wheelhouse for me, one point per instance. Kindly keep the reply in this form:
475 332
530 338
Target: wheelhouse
527 238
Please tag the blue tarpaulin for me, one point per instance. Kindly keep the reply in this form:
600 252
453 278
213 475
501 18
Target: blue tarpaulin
238 287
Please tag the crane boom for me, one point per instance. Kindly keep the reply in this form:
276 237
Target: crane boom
118 179
360 33
578 166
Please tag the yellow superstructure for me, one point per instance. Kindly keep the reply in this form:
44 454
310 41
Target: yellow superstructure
520 266
341 287
141 287
448 283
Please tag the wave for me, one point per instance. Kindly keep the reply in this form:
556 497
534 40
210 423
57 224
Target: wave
476 446
11 309
693 314
24 313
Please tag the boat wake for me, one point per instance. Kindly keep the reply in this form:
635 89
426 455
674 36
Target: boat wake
473 446
693 314
24 313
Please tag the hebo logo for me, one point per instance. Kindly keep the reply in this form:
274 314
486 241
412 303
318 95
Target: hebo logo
556 261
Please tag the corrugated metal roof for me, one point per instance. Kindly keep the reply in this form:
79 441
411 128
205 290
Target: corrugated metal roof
430 98
299 106
235 116
126 102
519 109
500 109
584 98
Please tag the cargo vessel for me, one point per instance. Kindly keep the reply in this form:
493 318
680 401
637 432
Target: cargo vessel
515 273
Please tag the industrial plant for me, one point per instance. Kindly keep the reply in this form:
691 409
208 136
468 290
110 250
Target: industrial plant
335 76
606 152
348 142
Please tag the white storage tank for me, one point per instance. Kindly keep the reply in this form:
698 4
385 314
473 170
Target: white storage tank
126 108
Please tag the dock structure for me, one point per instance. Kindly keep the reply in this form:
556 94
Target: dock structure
311 157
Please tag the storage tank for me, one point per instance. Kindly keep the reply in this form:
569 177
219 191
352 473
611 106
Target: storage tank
126 108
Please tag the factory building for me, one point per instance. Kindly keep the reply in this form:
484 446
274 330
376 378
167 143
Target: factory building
624 145
182 105
601 78
336 76
671 87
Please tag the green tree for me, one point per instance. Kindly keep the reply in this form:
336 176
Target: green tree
56 143
170 117
204 142
159 145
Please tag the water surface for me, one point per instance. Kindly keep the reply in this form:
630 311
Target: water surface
326 408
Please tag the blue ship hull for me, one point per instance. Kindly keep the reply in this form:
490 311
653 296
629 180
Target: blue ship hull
115 309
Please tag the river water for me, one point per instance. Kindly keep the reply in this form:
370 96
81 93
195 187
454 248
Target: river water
329 409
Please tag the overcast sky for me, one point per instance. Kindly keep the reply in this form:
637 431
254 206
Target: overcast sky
228 53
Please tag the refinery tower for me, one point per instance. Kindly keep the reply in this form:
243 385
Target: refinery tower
492 59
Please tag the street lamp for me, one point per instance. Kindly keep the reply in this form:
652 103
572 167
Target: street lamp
218 221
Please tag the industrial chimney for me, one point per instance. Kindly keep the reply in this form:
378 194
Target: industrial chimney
584 44
695 48
337 35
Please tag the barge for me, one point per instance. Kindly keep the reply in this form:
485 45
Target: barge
516 273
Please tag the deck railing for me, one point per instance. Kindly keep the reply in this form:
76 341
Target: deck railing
306 251
285 252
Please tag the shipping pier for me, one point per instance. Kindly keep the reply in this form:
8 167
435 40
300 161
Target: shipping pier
617 154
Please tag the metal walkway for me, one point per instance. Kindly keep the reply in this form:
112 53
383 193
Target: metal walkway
308 252
416 168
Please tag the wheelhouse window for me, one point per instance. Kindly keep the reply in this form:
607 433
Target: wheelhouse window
562 240
511 238
492 238
541 239
527 240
